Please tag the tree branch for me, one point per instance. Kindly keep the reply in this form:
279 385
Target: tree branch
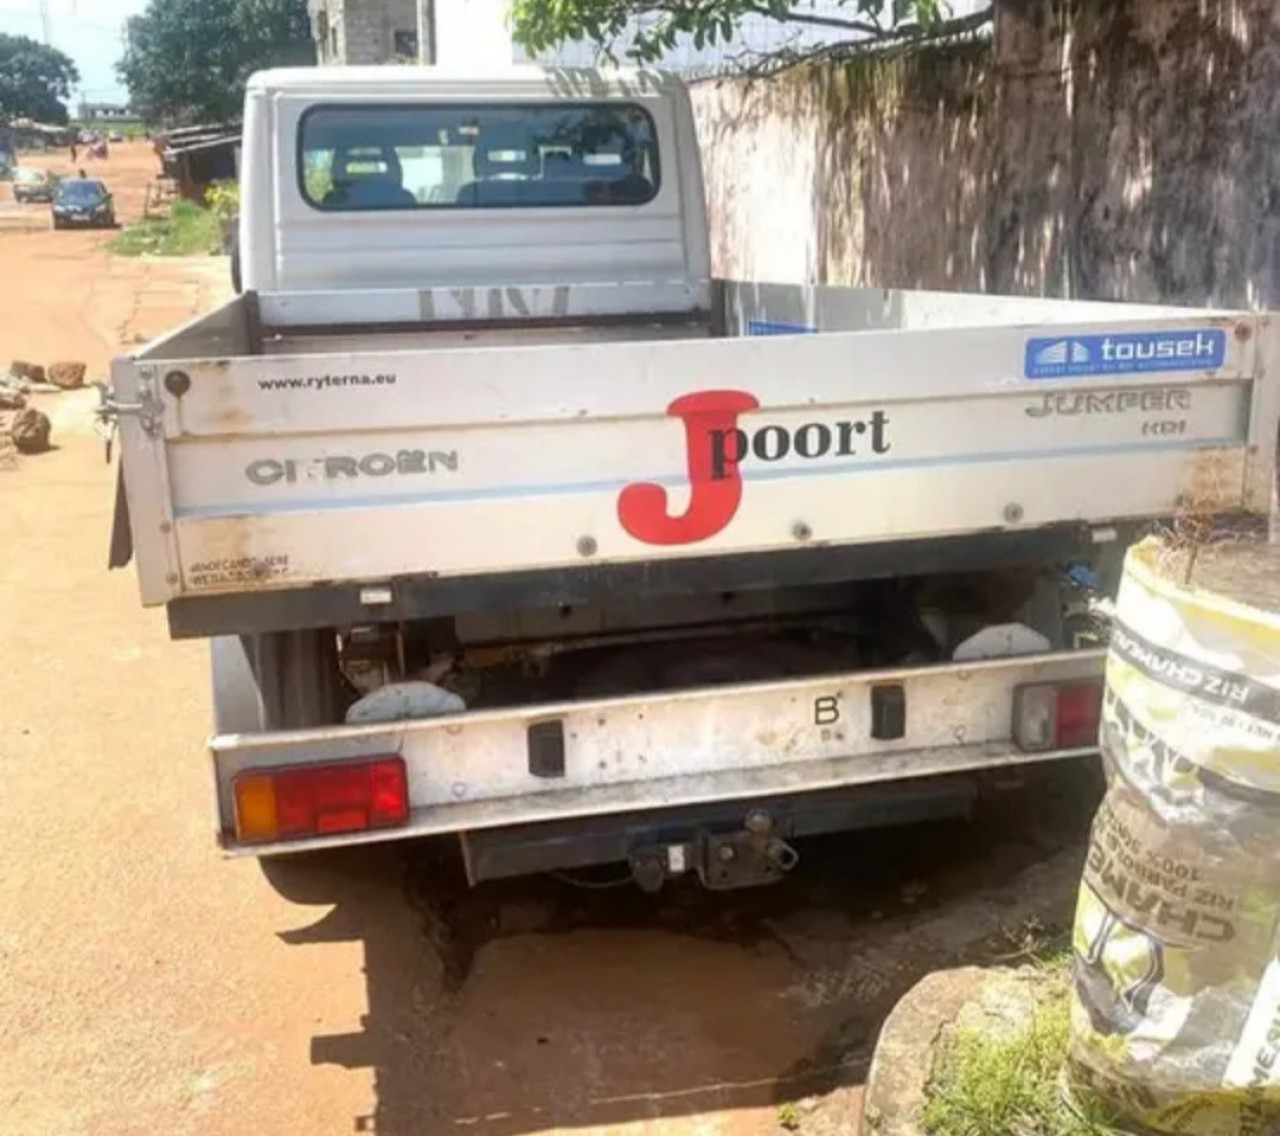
544 23
960 25
794 17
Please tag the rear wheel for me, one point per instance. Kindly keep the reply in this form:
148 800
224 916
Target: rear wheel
280 681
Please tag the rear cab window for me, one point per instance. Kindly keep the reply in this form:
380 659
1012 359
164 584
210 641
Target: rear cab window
477 156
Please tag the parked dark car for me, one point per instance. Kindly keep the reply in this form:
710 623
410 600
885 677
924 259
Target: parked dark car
30 184
83 201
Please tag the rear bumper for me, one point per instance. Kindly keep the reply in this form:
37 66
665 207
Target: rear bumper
476 771
85 222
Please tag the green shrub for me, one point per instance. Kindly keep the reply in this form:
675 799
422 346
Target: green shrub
189 230
223 199
1012 1085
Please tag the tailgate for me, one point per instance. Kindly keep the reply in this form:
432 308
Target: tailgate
281 471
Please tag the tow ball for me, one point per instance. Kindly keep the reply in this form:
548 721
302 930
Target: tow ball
748 857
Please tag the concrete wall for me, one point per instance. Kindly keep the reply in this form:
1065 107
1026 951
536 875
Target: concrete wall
361 31
1102 148
467 32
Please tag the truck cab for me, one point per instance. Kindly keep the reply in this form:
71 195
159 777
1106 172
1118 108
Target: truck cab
416 179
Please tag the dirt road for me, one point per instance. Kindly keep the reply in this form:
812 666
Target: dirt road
150 987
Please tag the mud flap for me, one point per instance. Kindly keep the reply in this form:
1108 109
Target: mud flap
121 550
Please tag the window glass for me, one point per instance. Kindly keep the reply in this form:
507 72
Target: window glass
476 157
78 191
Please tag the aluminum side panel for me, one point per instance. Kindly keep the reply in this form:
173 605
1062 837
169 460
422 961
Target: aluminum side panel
291 470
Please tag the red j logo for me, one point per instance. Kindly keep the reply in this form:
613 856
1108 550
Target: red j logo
711 439
716 446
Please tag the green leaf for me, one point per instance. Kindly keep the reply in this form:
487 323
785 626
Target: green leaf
34 80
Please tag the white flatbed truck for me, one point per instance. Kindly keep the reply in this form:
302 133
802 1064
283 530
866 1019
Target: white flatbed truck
506 520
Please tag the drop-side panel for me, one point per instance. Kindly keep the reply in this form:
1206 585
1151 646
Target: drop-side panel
292 470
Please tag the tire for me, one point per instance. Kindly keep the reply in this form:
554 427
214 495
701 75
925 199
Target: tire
280 681
284 680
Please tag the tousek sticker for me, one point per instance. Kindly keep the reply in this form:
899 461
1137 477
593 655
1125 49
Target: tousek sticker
716 446
1134 353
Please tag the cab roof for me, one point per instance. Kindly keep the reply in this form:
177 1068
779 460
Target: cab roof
527 81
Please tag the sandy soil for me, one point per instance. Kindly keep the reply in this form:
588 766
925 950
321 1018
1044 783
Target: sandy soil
151 987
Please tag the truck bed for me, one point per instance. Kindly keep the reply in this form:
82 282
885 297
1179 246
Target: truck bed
365 450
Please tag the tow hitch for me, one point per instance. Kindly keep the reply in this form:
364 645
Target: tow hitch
749 857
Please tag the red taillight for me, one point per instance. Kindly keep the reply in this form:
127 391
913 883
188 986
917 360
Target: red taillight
1057 715
322 800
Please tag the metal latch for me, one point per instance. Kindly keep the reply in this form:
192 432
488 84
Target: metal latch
148 410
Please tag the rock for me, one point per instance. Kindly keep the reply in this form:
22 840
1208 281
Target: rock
30 431
999 1001
30 371
11 399
67 376
1007 1001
